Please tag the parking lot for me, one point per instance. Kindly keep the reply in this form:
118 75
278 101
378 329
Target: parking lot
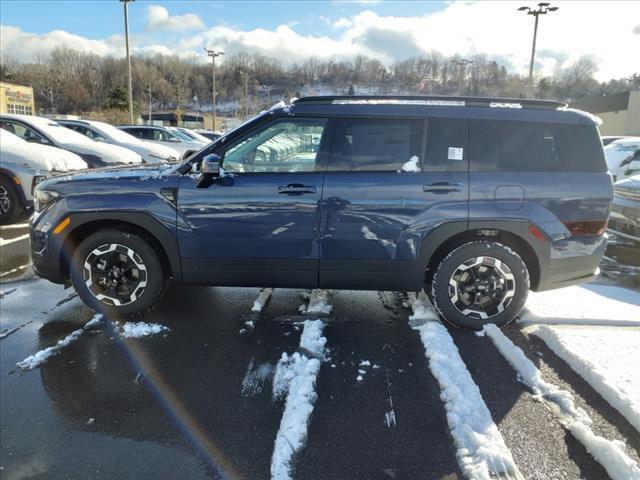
196 399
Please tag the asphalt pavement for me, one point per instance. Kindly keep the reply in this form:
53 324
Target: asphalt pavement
196 401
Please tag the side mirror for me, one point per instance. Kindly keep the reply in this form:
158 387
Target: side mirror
209 170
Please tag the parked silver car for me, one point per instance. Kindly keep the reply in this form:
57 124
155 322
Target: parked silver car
168 136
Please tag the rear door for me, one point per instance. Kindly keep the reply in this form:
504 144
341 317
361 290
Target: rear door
390 181
258 225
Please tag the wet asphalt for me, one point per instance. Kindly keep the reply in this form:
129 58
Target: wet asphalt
196 402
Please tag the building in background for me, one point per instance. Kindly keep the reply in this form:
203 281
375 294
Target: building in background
620 112
16 99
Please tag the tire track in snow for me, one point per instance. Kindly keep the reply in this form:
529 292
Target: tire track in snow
610 454
295 378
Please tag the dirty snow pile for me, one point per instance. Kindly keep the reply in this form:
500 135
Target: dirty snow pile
421 307
318 303
609 453
38 358
481 451
607 358
262 299
141 329
295 377
605 305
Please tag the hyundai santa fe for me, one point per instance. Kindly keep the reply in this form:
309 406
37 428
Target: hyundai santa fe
475 200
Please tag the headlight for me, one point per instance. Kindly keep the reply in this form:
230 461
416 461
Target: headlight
42 198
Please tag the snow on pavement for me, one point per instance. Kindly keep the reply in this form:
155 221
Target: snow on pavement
481 451
421 307
583 305
255 378
609 453
318 303
141 329
262 299
602 356
40 357
295 377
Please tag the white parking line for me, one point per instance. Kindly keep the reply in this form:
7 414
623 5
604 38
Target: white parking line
4 242
480 448
608 453
295 377
262 299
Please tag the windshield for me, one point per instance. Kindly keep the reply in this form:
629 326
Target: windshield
181 135
195 135
114 133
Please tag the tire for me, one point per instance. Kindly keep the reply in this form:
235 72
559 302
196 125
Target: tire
480 283
127 264
11 207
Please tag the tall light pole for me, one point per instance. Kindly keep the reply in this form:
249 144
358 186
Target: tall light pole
213 54
543 9
125 3
462 64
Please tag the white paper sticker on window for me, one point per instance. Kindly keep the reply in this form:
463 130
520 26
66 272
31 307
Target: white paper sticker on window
455 153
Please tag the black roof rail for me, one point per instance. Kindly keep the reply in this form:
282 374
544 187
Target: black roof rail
434 99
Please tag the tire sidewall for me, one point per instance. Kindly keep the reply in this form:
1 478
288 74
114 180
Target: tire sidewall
16 205
440 284
156 281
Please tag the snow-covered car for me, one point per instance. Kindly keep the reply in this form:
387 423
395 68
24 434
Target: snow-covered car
103 132
22 166
168 136
48 132
623 249
192 134
623 157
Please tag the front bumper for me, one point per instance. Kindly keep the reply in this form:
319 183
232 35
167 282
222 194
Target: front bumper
47 247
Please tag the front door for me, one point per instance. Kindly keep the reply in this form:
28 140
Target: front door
390 182
257 225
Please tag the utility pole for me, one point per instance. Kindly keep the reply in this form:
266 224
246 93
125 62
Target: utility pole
149 122
213 54
462 64
246 94
125 3
543 9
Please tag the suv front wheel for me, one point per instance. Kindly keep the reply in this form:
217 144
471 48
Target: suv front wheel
480 283
118 273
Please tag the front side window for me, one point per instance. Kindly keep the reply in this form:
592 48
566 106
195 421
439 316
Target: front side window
289 145
378 145
23 132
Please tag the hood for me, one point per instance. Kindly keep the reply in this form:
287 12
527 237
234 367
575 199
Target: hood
112 154
44 158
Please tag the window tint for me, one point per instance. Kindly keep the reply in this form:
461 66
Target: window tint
446 145
378 145
281 146
23 132
535 147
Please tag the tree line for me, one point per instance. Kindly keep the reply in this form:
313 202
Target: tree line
69 81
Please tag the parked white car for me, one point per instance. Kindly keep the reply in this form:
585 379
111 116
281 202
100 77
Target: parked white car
192 134
623 157
169 136
103 132
48 132
22 166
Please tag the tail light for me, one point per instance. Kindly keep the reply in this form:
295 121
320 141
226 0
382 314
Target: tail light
586 227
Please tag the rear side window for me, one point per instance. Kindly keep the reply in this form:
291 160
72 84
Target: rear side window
504 146
446 145
377 144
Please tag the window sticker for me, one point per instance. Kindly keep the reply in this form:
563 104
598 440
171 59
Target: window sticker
455 153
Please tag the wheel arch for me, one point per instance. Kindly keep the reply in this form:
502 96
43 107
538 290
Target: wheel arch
18 187
161 240
512 234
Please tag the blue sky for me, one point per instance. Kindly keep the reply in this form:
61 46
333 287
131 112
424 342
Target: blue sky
294 31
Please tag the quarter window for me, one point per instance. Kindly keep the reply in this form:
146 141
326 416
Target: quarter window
446 145
378 145
282 146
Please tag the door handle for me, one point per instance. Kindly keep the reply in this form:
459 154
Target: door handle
442 187
296 189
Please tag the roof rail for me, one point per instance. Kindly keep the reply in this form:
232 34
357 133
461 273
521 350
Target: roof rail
434 100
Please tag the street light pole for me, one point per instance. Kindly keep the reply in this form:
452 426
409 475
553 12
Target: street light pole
126 37
246 94
462 64
543 9
213 54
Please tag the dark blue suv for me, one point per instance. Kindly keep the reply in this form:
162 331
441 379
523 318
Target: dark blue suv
477 200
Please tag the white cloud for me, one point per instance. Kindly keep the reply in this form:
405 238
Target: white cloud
608 35
159 19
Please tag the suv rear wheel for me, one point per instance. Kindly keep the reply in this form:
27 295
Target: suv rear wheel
10 206
118 273
480 283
